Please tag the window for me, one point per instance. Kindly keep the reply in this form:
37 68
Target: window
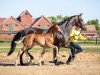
43 26
48 25
26 13
6 24
16 25
11 27
38 25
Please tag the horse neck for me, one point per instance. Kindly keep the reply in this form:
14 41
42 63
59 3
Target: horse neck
67 27
52 33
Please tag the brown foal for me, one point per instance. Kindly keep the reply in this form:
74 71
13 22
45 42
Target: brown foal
43 40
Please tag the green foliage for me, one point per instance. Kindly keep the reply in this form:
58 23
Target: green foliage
53 19
57 19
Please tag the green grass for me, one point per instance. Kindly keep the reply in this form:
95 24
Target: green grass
93 47
6 50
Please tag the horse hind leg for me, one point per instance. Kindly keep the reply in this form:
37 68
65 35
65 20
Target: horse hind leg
19 53
21 59
30 57
16 62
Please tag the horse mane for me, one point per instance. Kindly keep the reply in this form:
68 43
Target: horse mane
67 19
50 29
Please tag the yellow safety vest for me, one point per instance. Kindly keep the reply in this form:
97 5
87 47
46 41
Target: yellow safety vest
75 35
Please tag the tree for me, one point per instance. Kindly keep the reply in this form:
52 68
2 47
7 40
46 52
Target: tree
58 18
53 19
65 17
94 22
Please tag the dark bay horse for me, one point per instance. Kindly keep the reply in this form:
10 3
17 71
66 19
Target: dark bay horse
44 40
66 27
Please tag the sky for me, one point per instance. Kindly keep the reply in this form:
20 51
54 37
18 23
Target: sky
37 8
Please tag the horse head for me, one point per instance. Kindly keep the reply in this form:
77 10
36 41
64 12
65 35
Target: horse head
55 28
79 22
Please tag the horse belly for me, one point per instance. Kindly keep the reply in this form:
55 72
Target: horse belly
40 41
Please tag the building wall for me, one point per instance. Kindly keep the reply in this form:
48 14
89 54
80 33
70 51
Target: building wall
26 20
11 21
6 36
42 24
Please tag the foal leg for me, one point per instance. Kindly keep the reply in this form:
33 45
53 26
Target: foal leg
55 54
42 53
16 62
19 53
21 59
30 57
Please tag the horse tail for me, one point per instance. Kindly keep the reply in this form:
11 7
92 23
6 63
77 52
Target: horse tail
13 46
17 37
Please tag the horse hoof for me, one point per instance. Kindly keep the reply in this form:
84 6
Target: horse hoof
15 65
57 64
42 62
68 63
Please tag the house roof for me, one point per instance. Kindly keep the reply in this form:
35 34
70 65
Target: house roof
2 19
39 20
13 19
24 13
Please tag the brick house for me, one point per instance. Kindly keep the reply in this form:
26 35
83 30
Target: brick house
25 18
90 32
10 26
41 24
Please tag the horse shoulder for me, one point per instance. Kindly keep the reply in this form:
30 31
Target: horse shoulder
49 38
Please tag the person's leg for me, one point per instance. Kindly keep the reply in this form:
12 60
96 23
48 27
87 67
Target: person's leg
78 48
75 48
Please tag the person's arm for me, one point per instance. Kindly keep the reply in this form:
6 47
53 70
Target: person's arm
82 38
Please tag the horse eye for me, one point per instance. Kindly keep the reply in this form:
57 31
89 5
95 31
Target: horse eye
81 20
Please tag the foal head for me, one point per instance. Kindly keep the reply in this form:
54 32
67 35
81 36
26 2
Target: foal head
54 28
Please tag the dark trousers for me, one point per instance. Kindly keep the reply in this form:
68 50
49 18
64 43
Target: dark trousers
75 48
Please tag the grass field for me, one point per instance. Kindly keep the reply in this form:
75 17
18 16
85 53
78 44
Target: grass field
5 47
87 46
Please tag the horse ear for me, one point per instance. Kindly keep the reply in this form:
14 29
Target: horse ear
80 14
56 23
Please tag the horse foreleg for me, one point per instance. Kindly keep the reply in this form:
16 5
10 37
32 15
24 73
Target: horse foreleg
56 58
71 56
42 53
55 54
